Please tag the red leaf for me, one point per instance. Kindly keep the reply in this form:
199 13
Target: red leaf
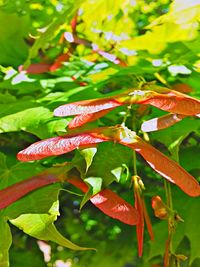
115 207
58 145
110 203
161 97
147 220
161 123
18 190
142 214
173 102
36 68
166 167
80 120
78 183
182 87
86 107
73 23
140 225
59 60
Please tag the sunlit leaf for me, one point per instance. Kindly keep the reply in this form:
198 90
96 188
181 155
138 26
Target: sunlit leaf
163 165
86 107
88 155
161 122
80 120
166 167
172 101
95 186
35 120
41 227
57 146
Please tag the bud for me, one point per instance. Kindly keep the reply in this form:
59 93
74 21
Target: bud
160 209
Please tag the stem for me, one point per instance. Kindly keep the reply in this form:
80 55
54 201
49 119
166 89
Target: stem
171 225
133 126
134 153
168 193
126 115
171 219
134 164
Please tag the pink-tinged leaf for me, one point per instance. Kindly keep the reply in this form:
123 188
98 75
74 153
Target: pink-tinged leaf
166 167
18 190
37 68
115 207
174 102
161 123
86 107
110 203
80 120
58 145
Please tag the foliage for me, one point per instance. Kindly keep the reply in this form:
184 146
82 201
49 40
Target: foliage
128 71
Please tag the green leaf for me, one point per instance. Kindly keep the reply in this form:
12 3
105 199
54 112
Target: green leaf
37 120
13 171
108 158
41 227
187 208
5 242
188 153
184 249
95 186
95 183
196 263
178 131
157 247
88 155
121 173
12 107
14 32
7 98
24 87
